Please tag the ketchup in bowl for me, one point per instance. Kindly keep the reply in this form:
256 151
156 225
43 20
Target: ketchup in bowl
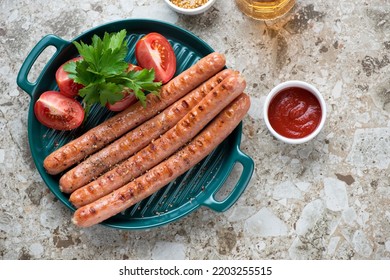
294 112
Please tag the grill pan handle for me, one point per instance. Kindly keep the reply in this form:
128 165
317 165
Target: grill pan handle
48 40
246 174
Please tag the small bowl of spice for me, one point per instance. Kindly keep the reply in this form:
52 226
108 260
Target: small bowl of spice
190 7
294 112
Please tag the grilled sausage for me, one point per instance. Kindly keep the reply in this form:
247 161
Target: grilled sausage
113 128
166 171
89 169
166 145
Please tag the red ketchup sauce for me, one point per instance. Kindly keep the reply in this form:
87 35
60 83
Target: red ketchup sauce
294 112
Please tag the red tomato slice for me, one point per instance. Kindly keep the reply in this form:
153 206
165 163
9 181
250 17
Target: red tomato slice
133 67
57 111
123 103
154 51
128 99
66 85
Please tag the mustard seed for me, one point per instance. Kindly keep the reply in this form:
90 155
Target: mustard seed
189 4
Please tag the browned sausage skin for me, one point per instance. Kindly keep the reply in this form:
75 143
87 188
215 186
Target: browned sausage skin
124 147
113 128
164 146
166 171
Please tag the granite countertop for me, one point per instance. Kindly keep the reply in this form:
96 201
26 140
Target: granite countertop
327 199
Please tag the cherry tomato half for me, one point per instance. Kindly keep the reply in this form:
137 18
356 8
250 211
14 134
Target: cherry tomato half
57 111
66 85
133 67
154 51
128 99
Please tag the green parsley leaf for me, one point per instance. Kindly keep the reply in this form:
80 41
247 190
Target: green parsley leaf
110 93
103 72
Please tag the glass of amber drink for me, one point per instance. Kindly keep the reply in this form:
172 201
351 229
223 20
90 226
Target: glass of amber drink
265 9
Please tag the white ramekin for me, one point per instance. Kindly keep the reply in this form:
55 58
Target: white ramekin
307 87
195 11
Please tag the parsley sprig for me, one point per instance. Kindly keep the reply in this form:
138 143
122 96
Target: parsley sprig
103 72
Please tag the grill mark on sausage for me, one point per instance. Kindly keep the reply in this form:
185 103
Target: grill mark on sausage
184 104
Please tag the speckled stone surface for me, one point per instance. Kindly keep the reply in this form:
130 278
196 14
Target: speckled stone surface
328 199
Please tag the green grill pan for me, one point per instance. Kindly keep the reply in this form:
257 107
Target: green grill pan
193 189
